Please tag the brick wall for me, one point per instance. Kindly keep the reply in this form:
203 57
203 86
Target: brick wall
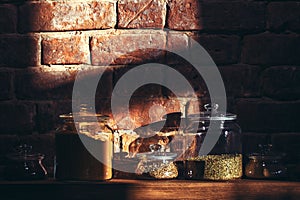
43 44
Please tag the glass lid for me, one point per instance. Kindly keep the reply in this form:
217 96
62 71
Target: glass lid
24 153
157 153
211 113
163 156
85 114
266 152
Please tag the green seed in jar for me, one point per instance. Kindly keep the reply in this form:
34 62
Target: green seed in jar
222 167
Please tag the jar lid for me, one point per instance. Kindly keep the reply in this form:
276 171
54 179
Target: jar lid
211 113
24 153
157 153
256 156
85 115
163 156
266 153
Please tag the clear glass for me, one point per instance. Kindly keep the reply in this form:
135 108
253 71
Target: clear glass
73 160
267 164
157 164
183 136
224 161
25 165
265 168
190 169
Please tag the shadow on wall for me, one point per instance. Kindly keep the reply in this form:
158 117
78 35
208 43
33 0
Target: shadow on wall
57 86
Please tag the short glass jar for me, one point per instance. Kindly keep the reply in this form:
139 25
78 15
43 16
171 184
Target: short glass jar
157 164
266 165
190 169
25 164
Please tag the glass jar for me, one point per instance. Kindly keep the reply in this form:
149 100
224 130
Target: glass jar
224 159
266 164
84 148
157 164
190 169
25 165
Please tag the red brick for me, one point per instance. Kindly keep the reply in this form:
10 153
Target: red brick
6 86
19 51
105 84
188 73
38 84
284 16
145 110
8 18
134 47
12 1
176 42
185 15
262 115
17 118
288 143
60 16
224 49
59 108
234 15
281 82
141 14
271 49
44 116
146 91
70 49
252 140
241 80
47 117
103 106
216 15
7 143
104 87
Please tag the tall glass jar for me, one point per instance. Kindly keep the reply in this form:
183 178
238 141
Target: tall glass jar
224 160
74 159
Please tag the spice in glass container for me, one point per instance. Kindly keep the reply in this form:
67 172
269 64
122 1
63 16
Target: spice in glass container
73 160
222 167
157 164
224 160
164 171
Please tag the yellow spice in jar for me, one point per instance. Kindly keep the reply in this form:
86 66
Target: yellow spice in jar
165 171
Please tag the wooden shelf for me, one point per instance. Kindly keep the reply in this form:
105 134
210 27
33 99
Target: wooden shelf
150 189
